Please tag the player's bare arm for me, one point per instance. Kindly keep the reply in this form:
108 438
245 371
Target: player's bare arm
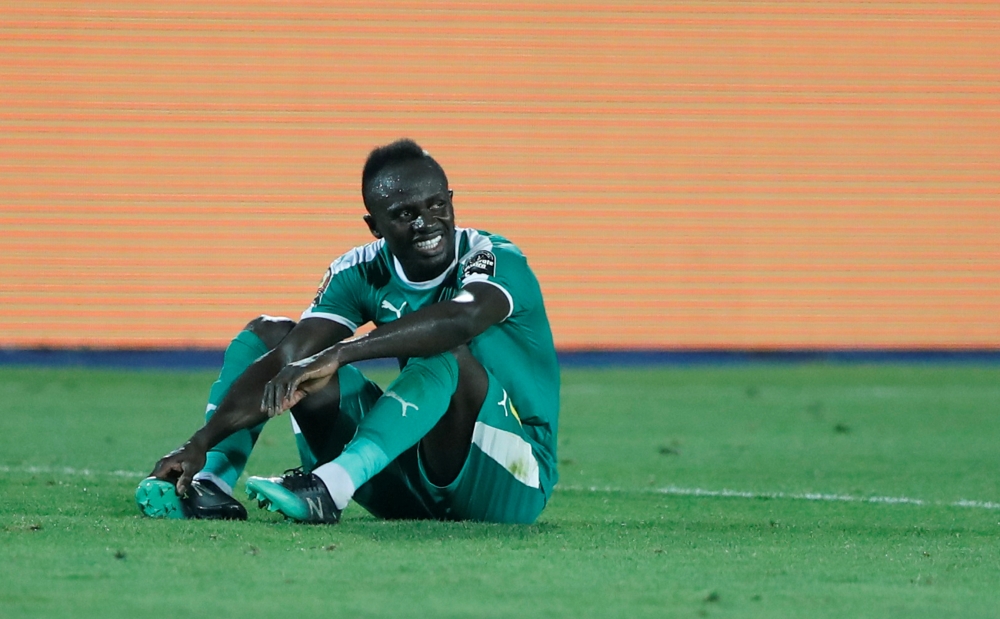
429 331
241 406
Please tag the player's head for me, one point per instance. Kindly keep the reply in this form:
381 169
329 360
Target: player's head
409 205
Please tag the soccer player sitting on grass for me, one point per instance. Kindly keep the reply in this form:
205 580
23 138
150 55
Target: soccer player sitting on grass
466 431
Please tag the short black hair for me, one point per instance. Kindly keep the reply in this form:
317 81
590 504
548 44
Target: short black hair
400 151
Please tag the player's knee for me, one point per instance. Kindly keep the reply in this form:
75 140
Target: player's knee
270 329
473 380
465 359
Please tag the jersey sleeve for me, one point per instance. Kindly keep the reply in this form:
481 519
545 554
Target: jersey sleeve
337 298
503 266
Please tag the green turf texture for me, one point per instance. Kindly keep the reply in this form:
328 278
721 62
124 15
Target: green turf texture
610 544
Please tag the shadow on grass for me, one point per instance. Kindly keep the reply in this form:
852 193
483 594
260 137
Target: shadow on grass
425 530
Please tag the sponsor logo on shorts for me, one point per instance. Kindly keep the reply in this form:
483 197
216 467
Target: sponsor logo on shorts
508 407
403 403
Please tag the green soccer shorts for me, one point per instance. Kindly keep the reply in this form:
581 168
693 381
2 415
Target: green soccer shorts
501 480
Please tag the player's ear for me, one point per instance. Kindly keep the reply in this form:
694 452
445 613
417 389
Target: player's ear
371 226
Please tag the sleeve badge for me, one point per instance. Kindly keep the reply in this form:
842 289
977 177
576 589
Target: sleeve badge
482 263
322 286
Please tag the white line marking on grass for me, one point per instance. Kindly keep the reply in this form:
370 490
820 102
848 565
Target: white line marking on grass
806 496
669 490
979 504
68 470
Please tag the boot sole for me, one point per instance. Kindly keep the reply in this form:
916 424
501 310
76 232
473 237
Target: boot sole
275 498
158 499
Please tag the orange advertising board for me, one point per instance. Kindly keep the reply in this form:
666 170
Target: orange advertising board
680 175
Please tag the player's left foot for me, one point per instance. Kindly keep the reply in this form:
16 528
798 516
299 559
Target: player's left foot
299 496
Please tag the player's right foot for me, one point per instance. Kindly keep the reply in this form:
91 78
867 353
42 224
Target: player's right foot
158 499
299 496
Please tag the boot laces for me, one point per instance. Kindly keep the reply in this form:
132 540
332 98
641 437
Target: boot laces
297 479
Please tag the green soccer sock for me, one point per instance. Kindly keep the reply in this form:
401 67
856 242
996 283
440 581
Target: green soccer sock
409 409
306 456
225 462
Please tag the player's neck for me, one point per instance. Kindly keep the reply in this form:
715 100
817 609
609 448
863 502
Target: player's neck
423 278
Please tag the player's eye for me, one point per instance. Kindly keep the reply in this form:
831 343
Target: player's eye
439 204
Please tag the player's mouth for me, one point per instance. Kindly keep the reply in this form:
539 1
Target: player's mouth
430 246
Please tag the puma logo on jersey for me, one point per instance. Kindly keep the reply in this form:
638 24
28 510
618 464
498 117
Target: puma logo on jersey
403 403
389 306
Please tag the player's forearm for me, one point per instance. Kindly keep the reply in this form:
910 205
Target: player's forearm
240 408
430 331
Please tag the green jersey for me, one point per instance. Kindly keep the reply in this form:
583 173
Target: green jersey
367 284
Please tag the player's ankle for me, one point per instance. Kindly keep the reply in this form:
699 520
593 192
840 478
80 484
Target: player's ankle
219 483
338 483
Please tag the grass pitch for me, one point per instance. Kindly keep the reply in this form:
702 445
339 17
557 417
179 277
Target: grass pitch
751 491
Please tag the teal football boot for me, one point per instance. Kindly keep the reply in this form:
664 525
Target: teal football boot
298 495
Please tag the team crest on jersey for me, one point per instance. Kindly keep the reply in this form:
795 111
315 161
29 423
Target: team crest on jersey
322 285
482 263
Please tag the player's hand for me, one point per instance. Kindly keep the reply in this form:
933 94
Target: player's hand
179 466
296 381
